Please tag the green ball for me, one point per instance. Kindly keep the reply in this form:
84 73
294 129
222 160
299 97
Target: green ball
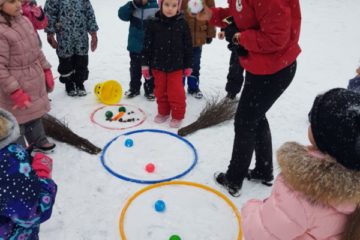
109 114
174 237
122 109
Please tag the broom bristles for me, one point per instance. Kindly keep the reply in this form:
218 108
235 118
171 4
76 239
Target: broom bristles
215 111
59 131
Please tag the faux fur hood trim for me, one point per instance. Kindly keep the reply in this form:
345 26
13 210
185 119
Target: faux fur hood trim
322 181
13 129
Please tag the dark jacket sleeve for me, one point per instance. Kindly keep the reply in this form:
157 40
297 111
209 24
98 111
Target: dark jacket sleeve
125 11
51 11
188 52
148 42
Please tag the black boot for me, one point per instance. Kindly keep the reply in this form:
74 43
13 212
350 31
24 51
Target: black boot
81 91
132 93
233 189
258 176
71 89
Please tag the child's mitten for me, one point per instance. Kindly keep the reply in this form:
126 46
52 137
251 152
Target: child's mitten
145 72
21 99
94 41
49 80
187 72
42 165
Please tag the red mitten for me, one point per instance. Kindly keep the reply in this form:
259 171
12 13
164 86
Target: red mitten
49 80
42 165
51 40
21 99
94 41
145 72
187 72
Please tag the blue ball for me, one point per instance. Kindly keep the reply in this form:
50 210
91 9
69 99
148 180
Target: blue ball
160 206
129 142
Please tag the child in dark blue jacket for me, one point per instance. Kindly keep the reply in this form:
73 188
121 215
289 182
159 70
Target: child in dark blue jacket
27 193
137 12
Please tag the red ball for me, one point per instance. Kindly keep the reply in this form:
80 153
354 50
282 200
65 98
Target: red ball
150 167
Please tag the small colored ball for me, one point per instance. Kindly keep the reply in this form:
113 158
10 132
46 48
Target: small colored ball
174 237
160 206
150 167
122 109
109 114
129 142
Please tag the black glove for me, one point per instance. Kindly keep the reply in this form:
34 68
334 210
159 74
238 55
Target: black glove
138 3
229 31
241 51
208 40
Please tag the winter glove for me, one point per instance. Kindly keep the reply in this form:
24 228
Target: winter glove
138 3
42 165
230 30
94 41
51 40
49 80
208 40
21 99
241 51
145 72
187 72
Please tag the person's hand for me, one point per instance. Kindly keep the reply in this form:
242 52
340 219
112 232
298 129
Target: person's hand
94 41
236 38
145 72
221 35
205 14
49 79
21 99
208 40
51 40
42 165
187 72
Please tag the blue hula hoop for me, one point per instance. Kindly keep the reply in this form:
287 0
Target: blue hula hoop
149 181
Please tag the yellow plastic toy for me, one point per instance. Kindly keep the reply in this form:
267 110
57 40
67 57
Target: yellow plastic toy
108 92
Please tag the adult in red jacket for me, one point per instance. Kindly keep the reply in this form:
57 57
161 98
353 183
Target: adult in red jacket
269 30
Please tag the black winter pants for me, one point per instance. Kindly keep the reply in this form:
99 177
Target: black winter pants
135 75
74 69
252 132
235 76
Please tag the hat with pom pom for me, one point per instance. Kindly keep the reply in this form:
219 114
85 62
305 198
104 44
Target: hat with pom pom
335 125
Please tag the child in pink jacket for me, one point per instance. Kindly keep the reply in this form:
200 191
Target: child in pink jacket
25 75
317 192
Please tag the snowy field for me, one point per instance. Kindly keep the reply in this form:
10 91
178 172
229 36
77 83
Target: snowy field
90 199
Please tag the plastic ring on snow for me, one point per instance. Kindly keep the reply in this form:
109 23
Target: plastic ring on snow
117 128
185 183
102 158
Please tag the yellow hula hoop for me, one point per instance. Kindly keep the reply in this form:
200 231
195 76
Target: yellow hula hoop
193 184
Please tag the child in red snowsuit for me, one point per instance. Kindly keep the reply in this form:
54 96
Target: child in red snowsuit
168 52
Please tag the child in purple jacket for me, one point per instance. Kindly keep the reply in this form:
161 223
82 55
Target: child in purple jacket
27 193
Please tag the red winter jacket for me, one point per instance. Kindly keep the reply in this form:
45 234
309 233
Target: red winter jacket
269 29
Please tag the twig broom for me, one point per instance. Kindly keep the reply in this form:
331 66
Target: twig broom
59 131
215 111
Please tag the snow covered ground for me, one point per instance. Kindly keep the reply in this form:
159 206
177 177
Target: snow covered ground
90 199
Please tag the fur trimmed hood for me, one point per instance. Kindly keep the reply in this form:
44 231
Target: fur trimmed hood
321 180
9 128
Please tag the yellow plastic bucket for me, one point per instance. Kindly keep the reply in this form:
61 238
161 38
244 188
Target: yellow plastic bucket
108 92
